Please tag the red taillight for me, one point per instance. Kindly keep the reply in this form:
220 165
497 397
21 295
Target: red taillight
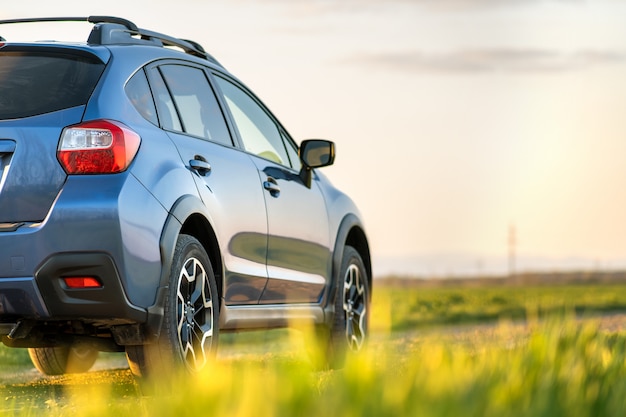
97 147
82 282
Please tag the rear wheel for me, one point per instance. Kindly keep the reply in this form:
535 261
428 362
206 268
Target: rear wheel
349 329
60 360
190 324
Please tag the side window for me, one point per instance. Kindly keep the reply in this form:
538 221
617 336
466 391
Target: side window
138 92
195 103
257 130
168 117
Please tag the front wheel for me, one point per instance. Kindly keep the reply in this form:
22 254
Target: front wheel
190 324
349 329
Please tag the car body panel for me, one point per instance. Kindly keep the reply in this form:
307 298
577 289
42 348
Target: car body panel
298 255
31 174
232 194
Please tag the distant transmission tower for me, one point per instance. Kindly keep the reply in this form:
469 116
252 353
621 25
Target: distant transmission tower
512 243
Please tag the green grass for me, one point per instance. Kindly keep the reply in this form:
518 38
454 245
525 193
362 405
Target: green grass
16 358
414 365
422 307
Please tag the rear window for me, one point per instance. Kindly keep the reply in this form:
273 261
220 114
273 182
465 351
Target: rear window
37 83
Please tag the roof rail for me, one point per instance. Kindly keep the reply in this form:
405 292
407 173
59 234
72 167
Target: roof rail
107 32
91 19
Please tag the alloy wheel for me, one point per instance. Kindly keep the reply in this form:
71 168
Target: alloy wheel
355 307
194 314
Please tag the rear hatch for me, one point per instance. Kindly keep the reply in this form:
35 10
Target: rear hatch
42 90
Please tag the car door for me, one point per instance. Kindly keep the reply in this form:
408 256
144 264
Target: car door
298 254
227 181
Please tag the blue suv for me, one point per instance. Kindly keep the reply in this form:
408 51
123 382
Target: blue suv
149 201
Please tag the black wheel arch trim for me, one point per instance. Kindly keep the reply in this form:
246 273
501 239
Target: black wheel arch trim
185 207
346 229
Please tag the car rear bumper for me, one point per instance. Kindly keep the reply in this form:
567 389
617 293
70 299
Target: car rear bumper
20 297
46 295
108 301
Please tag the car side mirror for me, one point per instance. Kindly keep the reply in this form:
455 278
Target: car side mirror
315 153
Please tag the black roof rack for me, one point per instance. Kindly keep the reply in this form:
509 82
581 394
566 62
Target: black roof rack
111 30
91 19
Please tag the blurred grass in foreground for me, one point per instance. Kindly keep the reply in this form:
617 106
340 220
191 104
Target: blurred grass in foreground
560 369
558 366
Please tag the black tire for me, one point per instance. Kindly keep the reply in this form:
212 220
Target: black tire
61 360
190 328
349 329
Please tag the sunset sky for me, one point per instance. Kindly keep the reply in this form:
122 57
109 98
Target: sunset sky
454 119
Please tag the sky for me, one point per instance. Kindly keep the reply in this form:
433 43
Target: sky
456 121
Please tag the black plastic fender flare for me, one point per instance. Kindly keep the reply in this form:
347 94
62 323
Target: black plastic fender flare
182 209
349 222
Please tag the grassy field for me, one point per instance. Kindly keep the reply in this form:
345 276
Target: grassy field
494 350
418 307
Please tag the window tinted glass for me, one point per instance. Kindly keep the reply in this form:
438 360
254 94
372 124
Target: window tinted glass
138 91
33 83
168 117
195 101
258 132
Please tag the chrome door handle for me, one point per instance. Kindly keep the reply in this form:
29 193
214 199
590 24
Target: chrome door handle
202 167
272 186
